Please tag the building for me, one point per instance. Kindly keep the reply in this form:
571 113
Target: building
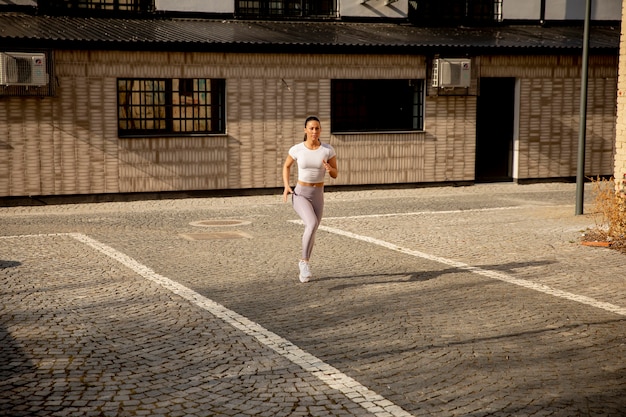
620 141
132 96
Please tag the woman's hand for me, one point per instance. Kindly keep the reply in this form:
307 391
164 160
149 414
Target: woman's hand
286 193
331 167
286 173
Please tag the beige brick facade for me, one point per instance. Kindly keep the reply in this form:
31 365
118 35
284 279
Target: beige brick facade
620 131
68 144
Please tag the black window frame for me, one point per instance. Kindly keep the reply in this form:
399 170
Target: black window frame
113 8
377 105
158 107
447 12
285 9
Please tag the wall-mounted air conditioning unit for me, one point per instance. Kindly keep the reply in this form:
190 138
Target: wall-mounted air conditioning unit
23 68
452 72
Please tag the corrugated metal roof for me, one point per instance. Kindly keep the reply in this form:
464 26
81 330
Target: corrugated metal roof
29 3
23 30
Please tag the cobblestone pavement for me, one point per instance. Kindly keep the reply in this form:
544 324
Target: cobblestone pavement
467 301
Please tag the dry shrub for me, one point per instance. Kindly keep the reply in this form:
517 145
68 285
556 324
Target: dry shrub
609 213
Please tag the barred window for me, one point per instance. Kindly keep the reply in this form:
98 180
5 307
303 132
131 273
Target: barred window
179 106
377 105
286 8
85 6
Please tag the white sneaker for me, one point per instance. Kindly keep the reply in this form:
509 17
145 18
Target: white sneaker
305 271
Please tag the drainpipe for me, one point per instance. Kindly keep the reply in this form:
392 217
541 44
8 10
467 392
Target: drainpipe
542 13
580 172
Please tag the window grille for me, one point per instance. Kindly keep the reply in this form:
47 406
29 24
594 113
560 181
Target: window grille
286 8
497 11
86 6
165 107
377 105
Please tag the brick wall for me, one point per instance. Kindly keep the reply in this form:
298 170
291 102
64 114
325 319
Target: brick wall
68 143
620 130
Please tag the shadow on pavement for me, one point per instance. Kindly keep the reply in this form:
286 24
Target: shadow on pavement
14 366
9 264
429 275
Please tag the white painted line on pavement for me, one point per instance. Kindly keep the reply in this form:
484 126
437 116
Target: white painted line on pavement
480 271
39 235
353 390
416 213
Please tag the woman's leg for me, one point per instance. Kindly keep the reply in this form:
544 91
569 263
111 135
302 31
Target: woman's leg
308 202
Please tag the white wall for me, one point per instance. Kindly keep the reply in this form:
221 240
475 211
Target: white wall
521 10
561 9
202 6
575 9
374 8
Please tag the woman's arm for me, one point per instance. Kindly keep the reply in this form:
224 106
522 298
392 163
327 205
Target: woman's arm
286 174
331 167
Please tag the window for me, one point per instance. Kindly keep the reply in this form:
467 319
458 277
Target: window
441 12
286 8
179 106
97 6
377 105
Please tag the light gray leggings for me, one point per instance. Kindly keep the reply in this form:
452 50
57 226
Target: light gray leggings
308 202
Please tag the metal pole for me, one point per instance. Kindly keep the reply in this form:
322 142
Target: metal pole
580 172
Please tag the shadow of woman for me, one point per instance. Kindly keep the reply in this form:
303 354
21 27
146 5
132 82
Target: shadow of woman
404 277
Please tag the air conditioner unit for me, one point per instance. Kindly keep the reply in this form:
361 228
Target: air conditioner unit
22 68
452 72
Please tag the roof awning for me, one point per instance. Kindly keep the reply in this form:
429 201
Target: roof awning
62 32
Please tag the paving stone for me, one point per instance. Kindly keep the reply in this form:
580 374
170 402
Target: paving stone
425 322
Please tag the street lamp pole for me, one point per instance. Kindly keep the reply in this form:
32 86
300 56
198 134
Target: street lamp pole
580 170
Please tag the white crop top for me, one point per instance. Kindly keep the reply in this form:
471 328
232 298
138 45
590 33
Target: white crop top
310 168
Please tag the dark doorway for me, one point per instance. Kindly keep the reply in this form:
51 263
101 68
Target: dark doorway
494 129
